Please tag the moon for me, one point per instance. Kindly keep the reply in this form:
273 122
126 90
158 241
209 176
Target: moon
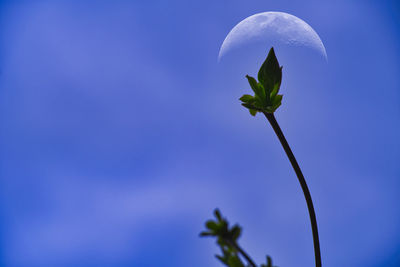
271 27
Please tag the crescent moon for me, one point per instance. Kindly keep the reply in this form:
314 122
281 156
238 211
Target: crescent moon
272 26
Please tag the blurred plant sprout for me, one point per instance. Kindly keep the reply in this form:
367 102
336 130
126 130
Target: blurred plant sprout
265 100
227 238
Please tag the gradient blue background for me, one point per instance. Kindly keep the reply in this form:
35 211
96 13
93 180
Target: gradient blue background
120 133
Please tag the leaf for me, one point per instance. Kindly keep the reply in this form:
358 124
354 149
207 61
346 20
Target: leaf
274 108
262 95
212 225
270 73
206 234
246 98
269 261
253 83
223 226
275 90
217 214
236 230
277 100
258 102
257 89
253 112
249 106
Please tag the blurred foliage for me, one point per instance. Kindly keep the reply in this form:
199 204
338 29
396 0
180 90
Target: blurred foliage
227 239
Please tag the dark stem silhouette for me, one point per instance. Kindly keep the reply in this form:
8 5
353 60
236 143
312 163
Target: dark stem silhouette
306 191
243 253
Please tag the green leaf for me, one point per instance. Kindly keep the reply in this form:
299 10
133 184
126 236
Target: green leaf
253 84
236 230
275 90
257 88
212 225
258 102
206 234
262 95
223 226
270 73
246 98
277 100
217 214
253 112
249 106
269 261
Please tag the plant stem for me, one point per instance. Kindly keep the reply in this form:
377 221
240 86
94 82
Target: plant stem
241 251
306 191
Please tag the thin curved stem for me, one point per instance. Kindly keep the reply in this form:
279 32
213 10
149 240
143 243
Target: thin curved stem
306 191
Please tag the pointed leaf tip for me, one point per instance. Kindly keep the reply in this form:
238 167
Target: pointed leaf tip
217 214
246 98
270 73
253 84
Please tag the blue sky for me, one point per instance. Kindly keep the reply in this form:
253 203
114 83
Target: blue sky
120 133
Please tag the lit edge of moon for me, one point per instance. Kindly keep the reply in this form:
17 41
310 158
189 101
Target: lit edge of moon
277 26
